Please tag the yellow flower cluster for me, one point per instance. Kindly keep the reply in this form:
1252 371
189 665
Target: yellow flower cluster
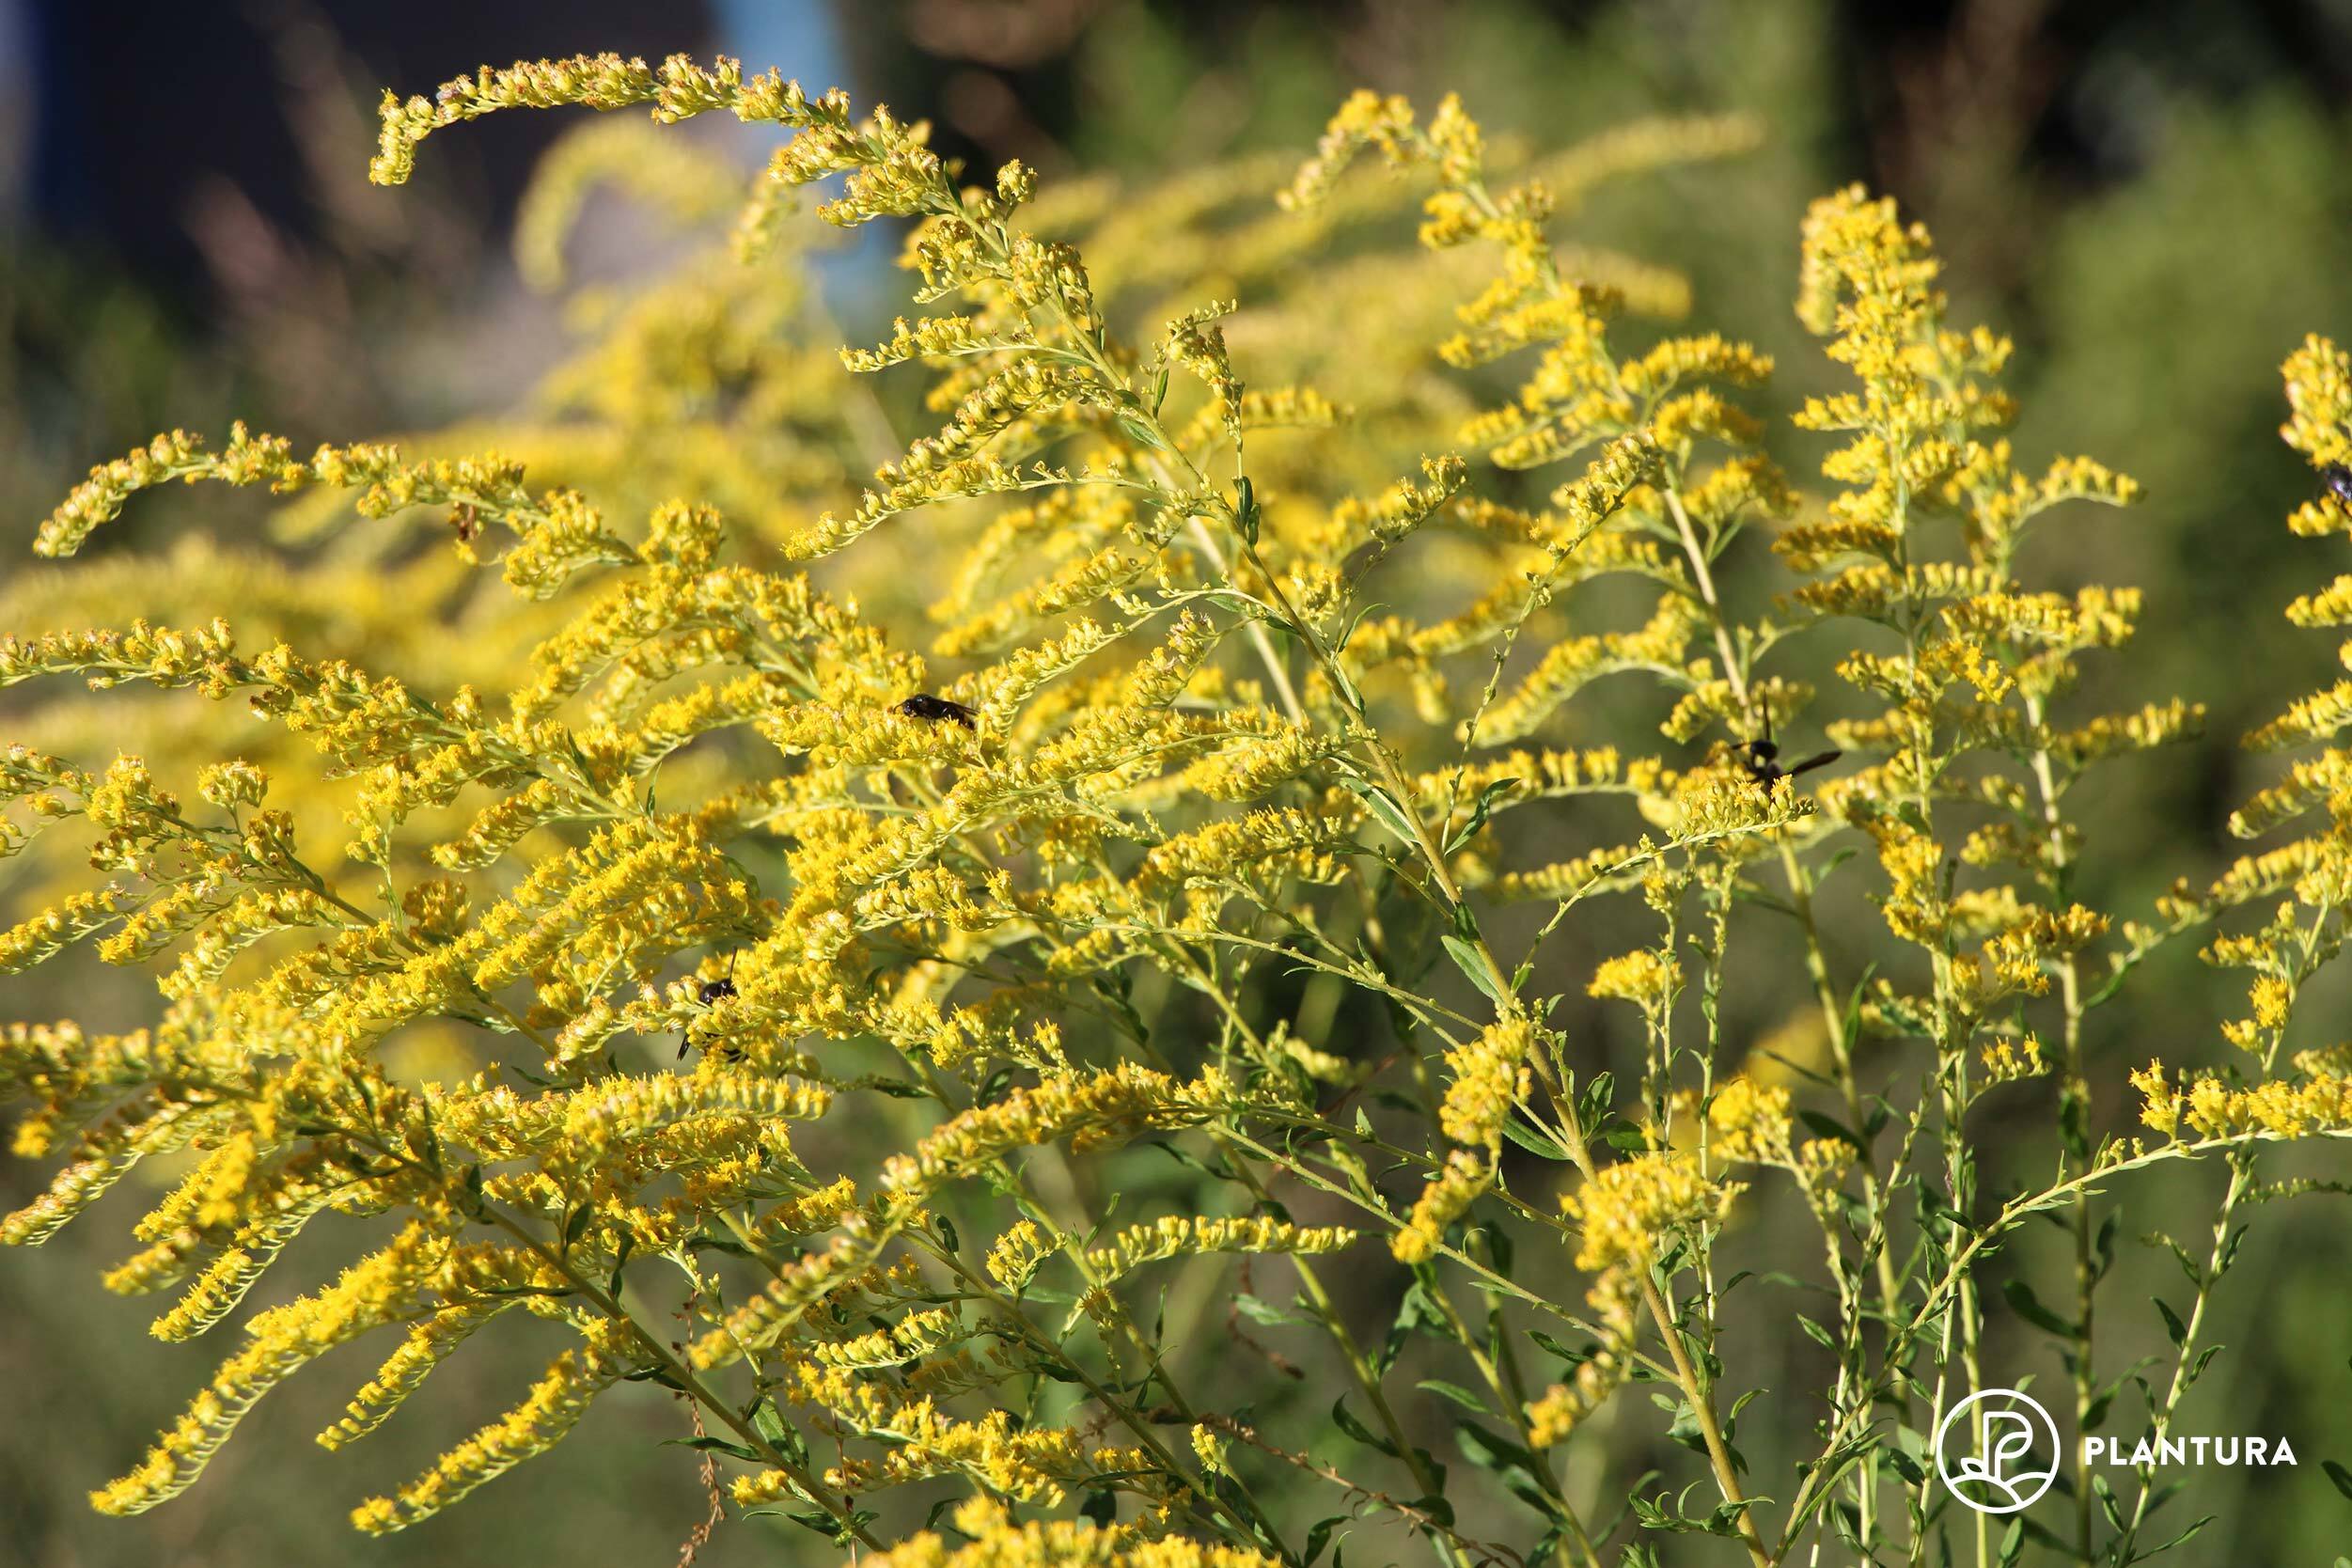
1017 1255
1749 1120
278 1342
1445 1197
1643 977
1139 1245
690 923
1488 1073
1092 1110
1623 1213
1553 1415
554 1404
2210 1106
993 1540
1031 1464
2313 869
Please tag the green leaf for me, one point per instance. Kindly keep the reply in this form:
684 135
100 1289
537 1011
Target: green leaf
823 1524
770 1424
1480 810
1465 958
2023 1302
1346 1419
469 1200
1416 1314
2174 1329
2338 1474
1455 1392
1509 1463
1724 1521
1262 1311
1215 1167
654 1373
1851 1022
2103 1250
1535 1143
1347 633
2045 1538
1383 806
714 1445
1593 1104
2109 1504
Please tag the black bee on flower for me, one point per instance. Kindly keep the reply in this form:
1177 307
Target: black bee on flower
1762 761
2338 479
712 993
1762 758
937 710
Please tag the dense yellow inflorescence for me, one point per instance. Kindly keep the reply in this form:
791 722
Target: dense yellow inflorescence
698 946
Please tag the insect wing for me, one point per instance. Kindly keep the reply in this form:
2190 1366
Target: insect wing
933 710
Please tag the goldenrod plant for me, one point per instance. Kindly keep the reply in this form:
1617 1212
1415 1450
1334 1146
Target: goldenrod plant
976 1047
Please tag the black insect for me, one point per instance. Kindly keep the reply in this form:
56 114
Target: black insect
712 993
1761 760
2338 479
933 710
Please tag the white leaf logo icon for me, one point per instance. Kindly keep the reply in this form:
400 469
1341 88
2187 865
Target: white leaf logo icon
1998 1451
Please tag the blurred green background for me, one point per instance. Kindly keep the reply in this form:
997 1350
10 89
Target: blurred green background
2154 200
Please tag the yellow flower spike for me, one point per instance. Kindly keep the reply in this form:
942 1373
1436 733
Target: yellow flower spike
278 1343
1488 1074
1171 1238
1445 1197
555 1402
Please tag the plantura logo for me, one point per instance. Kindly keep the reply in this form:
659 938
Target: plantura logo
1998 1451
2157 1452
